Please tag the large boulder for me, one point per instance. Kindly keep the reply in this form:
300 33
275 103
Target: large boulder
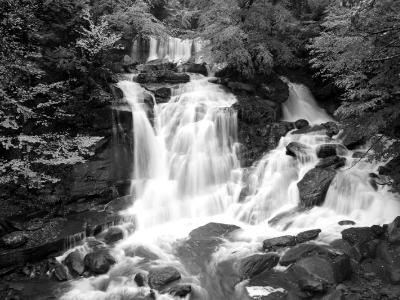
277 242
74 262
60 272
394 231
314 186
301 251
301 123
163 76
241 87
353 136
389 256
358 235
190 67
99 262
257 263
326 150
161 276
14 239
298 150
113 235
308 235
181 290
334 162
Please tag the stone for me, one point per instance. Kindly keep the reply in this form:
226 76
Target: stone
163 92
141 251
332 128
240 86
99 262
60 272
34 224
214 80
257 263
113 235
181 290
307 235
194 68
353 136
161 276
326 150
345 247
389 256
358 235
394 231
312 285
346 222
299 124
301 251
334 295
314 186
14 239
297 150
140 279
74 262
95 244
334 162
282 241
166 76
213 230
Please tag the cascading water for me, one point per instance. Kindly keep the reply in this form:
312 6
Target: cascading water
186 174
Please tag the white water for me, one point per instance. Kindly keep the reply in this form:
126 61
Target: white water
192 177
173 49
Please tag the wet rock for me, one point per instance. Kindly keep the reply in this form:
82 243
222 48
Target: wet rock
166 76
347 248
60 272
297 150
312 285
157 65
358 235
389 255
346 222
14 239
163 92
307 235
213 230
334 295
240 86
301 251
95 244
309 129
299 124
378 230
334 162
327 150
257 263
99 262
282 241
331 128
161 276
140 279
353 136
394 231
214 80
113 235
74 262
314 186
180 290
194 68
141 251
34 224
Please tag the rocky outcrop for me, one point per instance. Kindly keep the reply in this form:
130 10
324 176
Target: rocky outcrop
166 76
190 67
314 186
98 262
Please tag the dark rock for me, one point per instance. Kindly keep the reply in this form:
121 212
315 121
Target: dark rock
213 230
117 92
347 248
389 256
312 285
141 251
257 263
242 87
327 150
214 80
161 276
334 162
99 262
346 222
14 240
331 128
163 92
113 235
194 68
353 136
95 244
309 129
307 235
301 251
74 262
394 231
282 241
297 150
140 279
299 124
314 186
171 77
180 290
358 235
378 230
60 272
163 76
157 65
274 89
334 295
34 224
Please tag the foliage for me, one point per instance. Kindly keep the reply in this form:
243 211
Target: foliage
359 50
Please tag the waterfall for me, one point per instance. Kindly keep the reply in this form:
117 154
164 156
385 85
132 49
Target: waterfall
173 49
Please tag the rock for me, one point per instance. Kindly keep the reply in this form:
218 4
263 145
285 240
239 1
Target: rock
74 262
301 251
312 285
213 230
95 244
99 262
257 263
141 251
327 150
60 272
194 68
331 128
309 129
394 231
346 222
353 136
161 276
214 80
334 162
345 247
299 124
334 295
166 76
163 92
180 290
113 235
274 89
242 87
307 235
358 235
282 241
14 239
157 65
389 256
140 279
314 186
171 77
33 225
297 150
